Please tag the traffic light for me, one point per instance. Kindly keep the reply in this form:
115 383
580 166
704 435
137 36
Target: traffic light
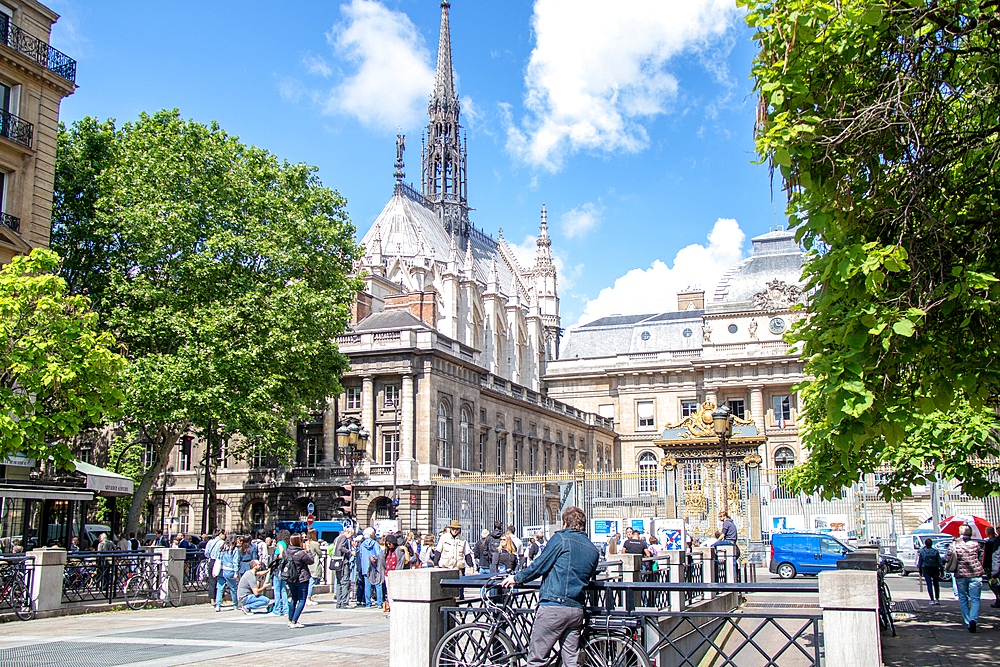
343 501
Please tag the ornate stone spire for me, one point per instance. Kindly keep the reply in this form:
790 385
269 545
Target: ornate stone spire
469 265
443 172
543 252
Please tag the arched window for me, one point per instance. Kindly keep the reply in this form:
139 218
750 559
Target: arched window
784 458
444 435
608 460
383 508
258 515
465 436
647 472
220 516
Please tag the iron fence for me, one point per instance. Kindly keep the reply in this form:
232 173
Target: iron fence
15 582
196 574
101 575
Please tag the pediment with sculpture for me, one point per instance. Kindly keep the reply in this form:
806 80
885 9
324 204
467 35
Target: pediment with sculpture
777 295
699 427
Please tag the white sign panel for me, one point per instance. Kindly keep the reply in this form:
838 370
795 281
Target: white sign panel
670 533
792 523
834 524
602 529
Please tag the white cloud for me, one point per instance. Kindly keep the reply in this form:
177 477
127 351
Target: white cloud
566 274
392 68
654 290
291 89
581 220
317 65
599 69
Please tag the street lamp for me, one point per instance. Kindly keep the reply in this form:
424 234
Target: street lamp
722 422
352 440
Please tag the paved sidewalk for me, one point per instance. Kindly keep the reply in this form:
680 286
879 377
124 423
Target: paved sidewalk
197 635
932 636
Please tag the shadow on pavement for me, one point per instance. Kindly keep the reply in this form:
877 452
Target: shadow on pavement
936 636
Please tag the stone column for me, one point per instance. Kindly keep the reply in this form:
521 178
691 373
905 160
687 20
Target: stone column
330 432
173 560
727 554
632 571
47 578
676 570
849 599
368 413
407 463
416 624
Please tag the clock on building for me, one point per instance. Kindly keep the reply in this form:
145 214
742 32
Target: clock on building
777 325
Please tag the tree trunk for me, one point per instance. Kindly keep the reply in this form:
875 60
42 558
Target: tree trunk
165 436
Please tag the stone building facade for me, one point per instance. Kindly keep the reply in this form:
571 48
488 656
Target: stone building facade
450 340
648 371
34 78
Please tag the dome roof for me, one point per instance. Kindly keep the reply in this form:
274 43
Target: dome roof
776 256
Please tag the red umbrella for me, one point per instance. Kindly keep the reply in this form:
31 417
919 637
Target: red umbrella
953 524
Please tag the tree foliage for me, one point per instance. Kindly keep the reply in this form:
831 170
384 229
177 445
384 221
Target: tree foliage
883 121
225 274
59 371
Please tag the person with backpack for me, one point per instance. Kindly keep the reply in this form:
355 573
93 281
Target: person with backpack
479 553
929 565
280 588
368 559
295 562
492 545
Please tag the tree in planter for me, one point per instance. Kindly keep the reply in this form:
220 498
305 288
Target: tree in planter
227 280
882 119
58 371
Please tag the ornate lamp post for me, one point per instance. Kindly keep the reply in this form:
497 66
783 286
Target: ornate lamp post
722 422
352 440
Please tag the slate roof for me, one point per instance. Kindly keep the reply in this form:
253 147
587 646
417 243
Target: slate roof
776 255
390 319
623 334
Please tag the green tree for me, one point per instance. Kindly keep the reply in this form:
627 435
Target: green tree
59 370
882 119
227 279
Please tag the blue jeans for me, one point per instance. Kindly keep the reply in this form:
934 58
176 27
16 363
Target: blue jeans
255 601
224 579
296 600
312 582
969 590
368 593
280 597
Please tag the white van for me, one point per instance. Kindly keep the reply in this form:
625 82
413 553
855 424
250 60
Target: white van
908 548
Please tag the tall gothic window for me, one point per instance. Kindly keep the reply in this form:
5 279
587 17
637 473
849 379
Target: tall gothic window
444 435
465 437
647 472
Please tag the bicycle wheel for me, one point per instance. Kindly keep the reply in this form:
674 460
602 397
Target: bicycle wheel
138 592
471 645
21 602
173 591
610 651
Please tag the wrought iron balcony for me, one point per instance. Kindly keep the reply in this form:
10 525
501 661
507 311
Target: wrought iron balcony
10 222
43 54
16 129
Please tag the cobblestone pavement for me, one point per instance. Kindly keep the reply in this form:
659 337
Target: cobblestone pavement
197 635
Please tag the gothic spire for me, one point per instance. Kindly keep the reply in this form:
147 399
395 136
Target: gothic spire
543 251
444 84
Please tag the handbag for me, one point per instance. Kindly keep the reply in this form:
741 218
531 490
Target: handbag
952 564
337 563
216 567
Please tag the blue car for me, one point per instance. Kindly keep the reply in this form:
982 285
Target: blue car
804 553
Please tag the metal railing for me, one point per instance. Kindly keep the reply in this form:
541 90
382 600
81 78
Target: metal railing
672 638
16 129
15 581
10 222
51 59
196 574
101 575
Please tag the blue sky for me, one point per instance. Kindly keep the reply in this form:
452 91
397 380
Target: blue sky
632 122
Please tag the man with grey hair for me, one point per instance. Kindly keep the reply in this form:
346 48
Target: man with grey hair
968 576
340 564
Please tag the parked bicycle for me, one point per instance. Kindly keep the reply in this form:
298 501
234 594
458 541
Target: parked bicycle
144 585
14 590
884 602
607 641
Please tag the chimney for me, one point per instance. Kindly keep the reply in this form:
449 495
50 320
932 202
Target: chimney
421 305
691 299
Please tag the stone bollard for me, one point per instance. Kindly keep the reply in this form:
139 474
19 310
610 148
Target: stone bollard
47 578
173 561
416 624
727 555
849 599
632 571
676 570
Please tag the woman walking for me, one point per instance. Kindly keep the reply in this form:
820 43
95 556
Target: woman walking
280 588
296 569
929 565
316 569
245 554
229 563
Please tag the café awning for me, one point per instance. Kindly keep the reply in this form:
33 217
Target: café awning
104 482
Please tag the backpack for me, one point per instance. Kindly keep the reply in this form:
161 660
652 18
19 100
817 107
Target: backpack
289 569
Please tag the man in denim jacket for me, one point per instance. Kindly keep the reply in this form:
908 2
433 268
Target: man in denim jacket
567 565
